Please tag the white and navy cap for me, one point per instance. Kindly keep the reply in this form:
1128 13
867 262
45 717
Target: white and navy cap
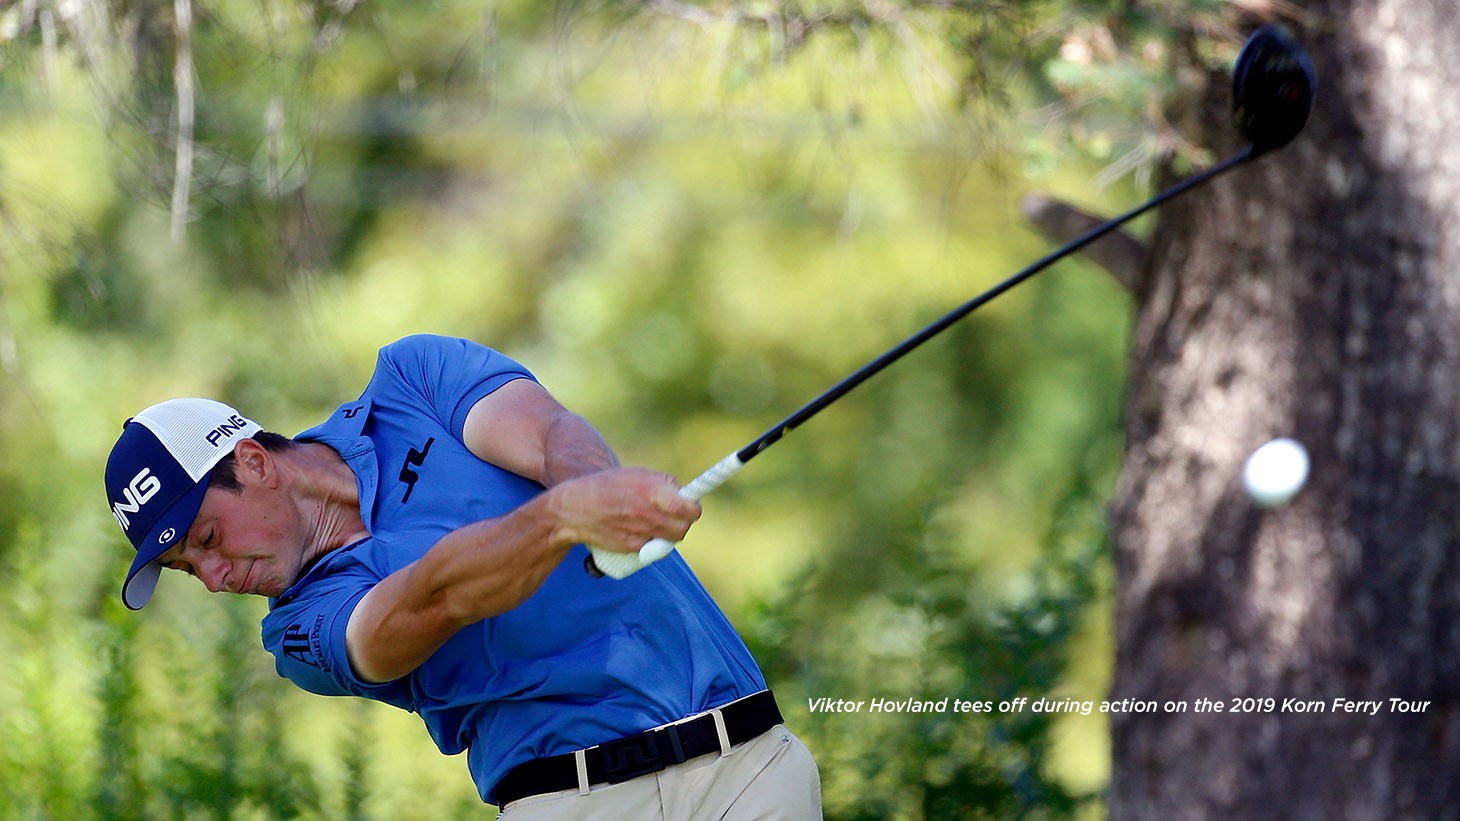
157 475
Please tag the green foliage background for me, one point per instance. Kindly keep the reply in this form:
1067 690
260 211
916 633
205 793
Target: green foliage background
687 220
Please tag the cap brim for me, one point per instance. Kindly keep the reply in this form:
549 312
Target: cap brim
171 527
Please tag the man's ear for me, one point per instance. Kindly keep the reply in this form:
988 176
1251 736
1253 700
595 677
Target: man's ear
254 462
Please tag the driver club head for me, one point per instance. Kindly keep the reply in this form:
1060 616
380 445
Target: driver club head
1272 89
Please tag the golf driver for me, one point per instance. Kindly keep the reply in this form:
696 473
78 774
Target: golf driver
1272 94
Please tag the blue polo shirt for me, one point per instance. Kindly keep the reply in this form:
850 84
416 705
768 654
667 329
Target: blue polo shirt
581 662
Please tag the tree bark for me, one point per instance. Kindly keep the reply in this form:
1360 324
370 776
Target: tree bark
1315 294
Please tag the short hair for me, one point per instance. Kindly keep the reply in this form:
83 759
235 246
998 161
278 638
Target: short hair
225 473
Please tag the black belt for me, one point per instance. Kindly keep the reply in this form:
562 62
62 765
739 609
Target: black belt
647 752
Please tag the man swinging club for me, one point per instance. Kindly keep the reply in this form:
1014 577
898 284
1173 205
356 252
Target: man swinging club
424 547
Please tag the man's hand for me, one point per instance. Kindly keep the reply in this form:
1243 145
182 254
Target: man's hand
620 510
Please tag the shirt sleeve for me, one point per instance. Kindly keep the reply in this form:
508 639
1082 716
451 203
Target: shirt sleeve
448 375
306 635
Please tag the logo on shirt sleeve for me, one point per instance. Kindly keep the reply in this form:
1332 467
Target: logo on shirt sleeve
306 646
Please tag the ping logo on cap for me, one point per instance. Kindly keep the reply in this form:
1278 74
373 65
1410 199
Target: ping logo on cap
142 487
234 424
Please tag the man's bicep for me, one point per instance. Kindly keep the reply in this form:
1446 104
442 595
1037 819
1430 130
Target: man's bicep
508 427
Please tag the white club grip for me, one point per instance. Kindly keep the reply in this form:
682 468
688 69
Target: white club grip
622 565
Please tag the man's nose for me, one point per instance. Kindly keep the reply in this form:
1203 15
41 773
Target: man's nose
213 573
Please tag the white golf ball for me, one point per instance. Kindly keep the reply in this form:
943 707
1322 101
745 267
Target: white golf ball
1275 472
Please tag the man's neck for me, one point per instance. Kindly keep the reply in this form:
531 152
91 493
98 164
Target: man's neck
329 497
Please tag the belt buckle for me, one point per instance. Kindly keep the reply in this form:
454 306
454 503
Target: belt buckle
629 758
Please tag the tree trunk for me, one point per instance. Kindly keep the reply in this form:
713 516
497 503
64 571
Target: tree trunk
1315 294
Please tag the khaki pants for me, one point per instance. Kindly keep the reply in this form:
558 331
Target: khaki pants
771 776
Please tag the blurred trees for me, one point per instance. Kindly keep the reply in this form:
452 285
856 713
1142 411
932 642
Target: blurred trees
687 219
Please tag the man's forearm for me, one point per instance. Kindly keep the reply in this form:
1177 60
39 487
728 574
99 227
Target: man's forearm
474 572
573 448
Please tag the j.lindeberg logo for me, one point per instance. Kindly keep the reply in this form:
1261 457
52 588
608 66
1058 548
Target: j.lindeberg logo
142 487
415 458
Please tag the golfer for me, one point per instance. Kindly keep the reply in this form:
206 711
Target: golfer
424 547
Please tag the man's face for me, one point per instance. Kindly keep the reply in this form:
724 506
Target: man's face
246 541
